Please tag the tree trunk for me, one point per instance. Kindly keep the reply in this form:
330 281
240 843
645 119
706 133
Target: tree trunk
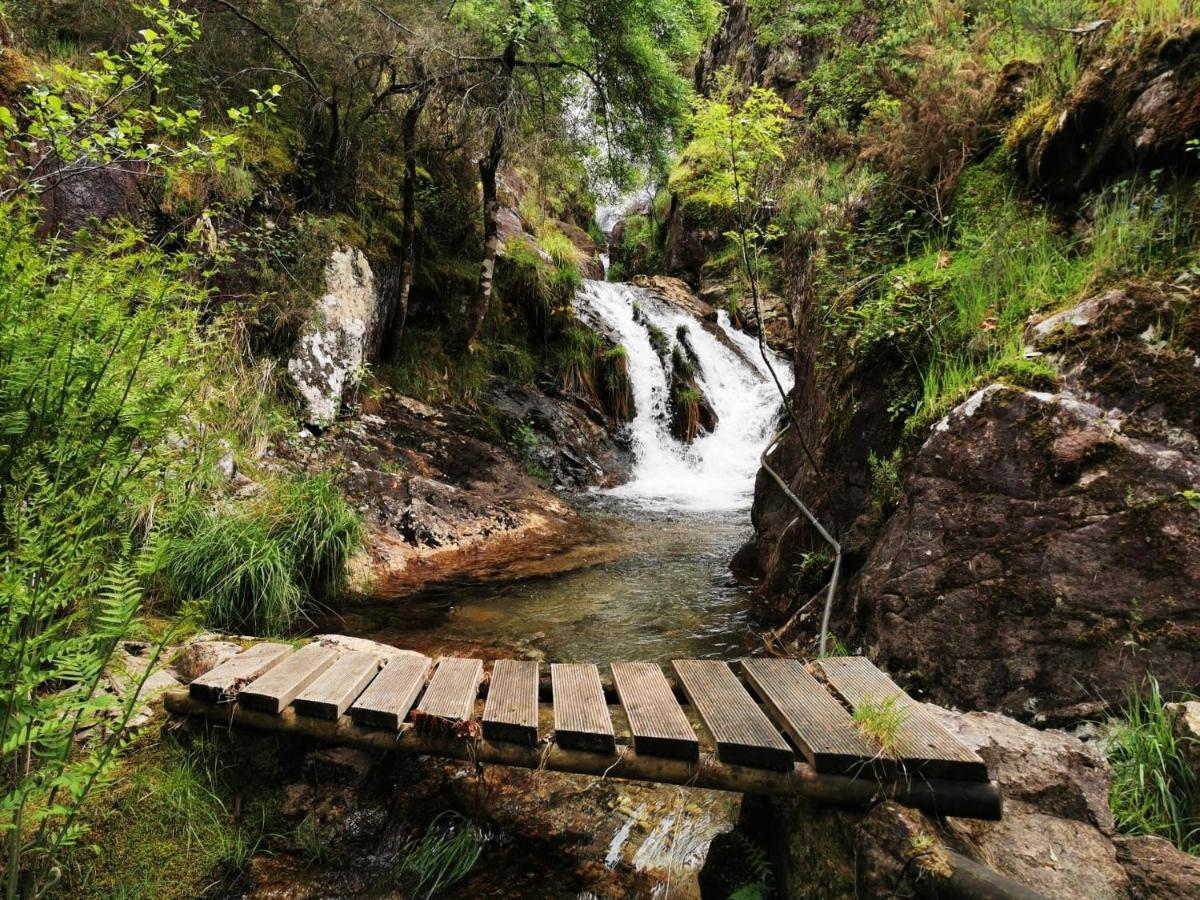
397 311
476 311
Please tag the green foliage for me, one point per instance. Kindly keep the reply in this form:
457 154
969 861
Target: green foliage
759 883
181 815
253 567
108 114
100 348
886 489
880 720
1155 790
442 856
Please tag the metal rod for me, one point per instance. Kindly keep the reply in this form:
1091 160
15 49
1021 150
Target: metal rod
978 800
829 538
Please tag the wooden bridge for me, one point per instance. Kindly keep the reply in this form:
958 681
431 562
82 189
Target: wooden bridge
757 726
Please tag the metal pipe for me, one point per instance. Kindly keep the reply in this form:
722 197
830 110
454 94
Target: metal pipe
829 538
978 800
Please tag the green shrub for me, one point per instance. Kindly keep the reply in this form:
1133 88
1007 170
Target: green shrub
886 489
1155 790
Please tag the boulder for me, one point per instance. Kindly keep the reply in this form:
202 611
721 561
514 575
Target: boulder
1041 563
1056 837
675 291
1186 725
1135 110
328 359
82 192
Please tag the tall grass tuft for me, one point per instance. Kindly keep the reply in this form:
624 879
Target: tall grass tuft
443 856
254 567
1155 789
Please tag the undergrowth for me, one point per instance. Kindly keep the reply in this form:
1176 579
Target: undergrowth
880 720
1155 787
442 856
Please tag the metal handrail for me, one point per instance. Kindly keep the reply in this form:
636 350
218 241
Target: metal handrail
829 538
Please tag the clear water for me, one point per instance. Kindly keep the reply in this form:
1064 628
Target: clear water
664 590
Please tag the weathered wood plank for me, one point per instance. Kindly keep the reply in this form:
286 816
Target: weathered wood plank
656 720
222 683
339 686
922 744
451 692
817 723
388 698
581 719
275 690
743 733
511 711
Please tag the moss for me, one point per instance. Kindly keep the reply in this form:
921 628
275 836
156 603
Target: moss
16 72
182 815
1028 373
1028 127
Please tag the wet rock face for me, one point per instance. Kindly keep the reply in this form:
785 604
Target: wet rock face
1136 111
333 346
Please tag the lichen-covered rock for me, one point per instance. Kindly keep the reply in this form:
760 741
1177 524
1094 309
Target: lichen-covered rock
1041 563
328 359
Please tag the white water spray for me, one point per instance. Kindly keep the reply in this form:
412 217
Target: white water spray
717 471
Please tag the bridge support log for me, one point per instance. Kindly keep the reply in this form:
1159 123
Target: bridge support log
977 800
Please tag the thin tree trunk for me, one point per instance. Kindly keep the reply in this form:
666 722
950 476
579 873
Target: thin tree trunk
475 311
397 313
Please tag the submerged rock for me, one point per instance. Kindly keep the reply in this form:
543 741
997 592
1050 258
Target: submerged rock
329 356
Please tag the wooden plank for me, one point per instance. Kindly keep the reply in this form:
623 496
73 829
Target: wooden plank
222 683
817 723
451 692
743 733
581 719
511 711
274 691
339 686
386 701
657 721
922 744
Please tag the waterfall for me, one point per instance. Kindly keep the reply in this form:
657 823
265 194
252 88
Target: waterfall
716 472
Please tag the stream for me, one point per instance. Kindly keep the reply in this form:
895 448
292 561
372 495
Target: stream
665 590
653 584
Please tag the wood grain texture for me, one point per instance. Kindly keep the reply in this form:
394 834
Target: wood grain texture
922 744
451 692
275 690
581 719
743 733
656 720
222 683
391 694
818 724
338 686
511 711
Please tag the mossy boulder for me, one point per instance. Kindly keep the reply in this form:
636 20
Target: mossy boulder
1135 110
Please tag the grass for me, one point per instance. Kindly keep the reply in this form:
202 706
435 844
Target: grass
880 720
442 856
1155 790
179 819
252 567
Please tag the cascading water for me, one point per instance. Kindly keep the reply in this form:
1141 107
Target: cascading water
716 472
